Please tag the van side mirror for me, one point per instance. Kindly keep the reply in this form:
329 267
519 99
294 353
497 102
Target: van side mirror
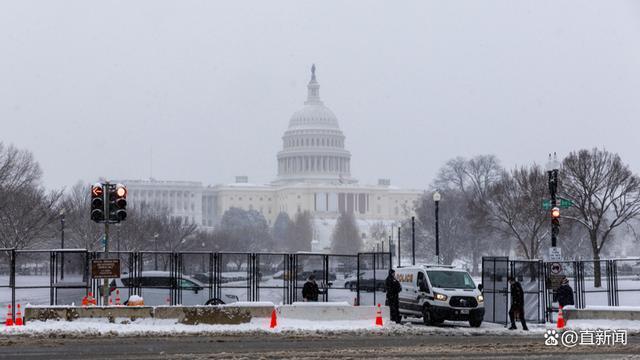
480 287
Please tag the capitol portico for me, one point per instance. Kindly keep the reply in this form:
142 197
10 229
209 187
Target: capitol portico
313 174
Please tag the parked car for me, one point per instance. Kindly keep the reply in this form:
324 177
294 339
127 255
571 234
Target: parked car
367 282
156 285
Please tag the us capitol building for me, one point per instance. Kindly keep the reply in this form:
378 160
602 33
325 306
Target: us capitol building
314 174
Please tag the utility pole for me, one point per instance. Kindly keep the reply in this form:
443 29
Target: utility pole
62 244
436 199
399 261
413 240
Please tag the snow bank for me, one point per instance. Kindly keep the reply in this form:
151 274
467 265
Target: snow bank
321 304
629 325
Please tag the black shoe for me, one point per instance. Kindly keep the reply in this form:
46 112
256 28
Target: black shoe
525 329
513 328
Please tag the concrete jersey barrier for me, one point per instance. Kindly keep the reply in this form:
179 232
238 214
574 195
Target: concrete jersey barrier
330 312
602 313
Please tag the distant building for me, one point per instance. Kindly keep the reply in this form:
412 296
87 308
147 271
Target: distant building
314 174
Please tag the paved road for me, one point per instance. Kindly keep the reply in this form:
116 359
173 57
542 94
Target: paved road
305 347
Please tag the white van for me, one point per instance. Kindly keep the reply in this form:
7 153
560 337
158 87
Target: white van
438 293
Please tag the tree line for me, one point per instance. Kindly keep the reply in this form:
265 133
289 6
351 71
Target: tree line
489 210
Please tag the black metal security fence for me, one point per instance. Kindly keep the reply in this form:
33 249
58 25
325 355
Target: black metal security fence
63 277
618 285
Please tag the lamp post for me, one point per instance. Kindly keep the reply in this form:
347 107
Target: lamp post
62 244
155 243
436 199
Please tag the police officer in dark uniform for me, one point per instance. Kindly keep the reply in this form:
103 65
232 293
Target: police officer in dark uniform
310 289
393 288
517 304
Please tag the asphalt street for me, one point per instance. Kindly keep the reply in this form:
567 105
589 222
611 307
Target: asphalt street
276 346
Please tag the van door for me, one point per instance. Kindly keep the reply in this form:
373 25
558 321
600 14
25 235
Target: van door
408 294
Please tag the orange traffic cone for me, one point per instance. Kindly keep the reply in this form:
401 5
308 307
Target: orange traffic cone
117 297
9 321
18 316
561 322
274 320
91 300
378 316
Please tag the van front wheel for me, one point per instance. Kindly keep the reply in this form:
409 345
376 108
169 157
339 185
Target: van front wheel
475 323
427 317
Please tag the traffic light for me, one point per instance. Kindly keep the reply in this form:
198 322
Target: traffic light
117 203
555 223
97 202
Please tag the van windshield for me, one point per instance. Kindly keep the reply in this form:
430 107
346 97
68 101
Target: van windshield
450 279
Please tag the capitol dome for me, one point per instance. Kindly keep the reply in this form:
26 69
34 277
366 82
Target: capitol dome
313 145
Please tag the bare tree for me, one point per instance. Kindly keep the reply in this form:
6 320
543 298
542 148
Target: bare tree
27 210
605 194
473 179
515 210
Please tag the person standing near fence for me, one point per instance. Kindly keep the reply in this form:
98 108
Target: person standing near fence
310 290
393 289
564 293
517 304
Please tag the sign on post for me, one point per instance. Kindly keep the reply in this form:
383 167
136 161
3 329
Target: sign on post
555 276
562 203
555 253
105 268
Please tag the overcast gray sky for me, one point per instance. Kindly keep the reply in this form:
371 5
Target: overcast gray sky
210 85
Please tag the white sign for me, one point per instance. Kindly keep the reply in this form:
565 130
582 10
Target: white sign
555 253
556 268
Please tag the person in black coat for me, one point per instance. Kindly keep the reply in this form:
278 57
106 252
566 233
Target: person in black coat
393 289
310 289
517 304
564 293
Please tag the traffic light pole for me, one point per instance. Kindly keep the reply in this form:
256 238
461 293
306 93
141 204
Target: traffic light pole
553 188
105 283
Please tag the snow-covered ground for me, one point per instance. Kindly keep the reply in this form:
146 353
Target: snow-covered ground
154 327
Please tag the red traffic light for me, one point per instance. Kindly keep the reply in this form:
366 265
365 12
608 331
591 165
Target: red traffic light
555 213
97 190
121 191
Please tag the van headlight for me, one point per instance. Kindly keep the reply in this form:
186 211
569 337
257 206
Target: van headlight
480 298
440 297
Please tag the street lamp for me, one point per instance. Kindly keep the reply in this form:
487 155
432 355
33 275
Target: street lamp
155 243
436 199
62 244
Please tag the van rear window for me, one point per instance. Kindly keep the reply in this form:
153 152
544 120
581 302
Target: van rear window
450 279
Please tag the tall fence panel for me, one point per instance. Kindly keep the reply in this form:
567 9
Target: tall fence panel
495 271
373 269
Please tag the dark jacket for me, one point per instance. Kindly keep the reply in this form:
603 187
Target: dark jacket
310 291
565 295
517 294
393 287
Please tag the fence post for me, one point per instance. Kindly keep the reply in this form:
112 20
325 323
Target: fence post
12 281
